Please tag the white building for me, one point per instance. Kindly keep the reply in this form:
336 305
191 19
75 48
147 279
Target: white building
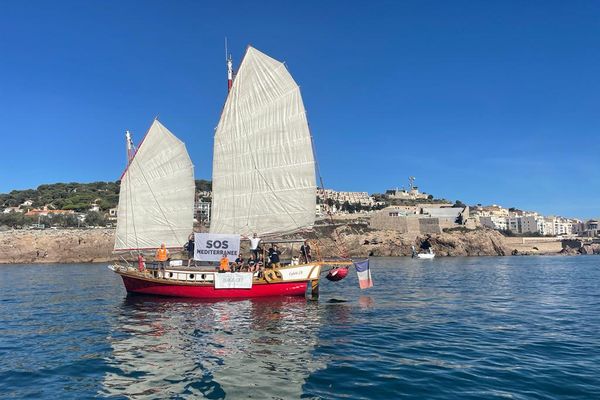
203 212
494 222
361 198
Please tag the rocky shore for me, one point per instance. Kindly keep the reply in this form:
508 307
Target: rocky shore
95 245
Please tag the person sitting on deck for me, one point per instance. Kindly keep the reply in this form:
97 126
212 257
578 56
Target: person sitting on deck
162 255
260 268
239 263
251 266
305 256
224 263
274 254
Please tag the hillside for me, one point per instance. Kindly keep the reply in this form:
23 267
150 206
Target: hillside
73 196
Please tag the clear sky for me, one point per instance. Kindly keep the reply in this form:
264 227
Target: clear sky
482 101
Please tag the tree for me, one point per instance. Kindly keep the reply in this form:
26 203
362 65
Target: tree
203 185
460 204
94 218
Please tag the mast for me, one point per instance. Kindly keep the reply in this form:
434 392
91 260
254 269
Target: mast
130 147
229 62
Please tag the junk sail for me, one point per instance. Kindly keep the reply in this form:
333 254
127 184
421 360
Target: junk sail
263 166
156 199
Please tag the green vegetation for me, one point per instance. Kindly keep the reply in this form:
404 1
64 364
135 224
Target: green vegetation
17 220
78 197
203 185
66 196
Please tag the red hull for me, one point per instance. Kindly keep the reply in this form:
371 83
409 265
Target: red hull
135 285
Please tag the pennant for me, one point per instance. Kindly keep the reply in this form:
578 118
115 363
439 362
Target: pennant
364 274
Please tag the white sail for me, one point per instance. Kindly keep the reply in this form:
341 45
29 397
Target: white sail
156 200
263 166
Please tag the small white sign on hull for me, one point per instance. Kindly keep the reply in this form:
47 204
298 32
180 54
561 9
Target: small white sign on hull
233 280
303 272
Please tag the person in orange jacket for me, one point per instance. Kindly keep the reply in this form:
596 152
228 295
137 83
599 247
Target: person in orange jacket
224 263
162 255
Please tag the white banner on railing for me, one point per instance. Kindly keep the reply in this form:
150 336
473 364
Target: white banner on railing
235 280
212 246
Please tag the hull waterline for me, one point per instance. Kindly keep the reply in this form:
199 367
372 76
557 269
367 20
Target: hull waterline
141 286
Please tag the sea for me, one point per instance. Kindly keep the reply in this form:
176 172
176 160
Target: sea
448 328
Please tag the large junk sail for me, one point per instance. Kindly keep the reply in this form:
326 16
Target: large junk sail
156 199
263 166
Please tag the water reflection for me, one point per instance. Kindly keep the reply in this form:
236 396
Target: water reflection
164 347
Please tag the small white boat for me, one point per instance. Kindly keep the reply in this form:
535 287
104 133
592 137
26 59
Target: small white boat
430 255
425 256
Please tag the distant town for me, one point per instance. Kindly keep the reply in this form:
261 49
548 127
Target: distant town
406 210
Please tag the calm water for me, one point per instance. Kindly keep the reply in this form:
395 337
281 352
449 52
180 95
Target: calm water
516 327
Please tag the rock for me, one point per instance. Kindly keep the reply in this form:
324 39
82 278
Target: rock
360 241
60 246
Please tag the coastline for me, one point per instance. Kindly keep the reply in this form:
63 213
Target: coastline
95 245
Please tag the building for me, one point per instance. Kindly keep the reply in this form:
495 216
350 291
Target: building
589 228
354 198
9 210
203 212
494 222
428 220
402 194
45 212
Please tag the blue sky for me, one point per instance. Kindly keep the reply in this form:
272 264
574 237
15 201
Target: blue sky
486 102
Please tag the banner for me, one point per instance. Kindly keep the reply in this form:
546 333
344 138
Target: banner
212 246
235 280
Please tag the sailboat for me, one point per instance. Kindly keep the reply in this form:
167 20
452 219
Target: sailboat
264 182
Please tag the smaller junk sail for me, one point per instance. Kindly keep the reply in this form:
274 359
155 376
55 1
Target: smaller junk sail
156 199
263 166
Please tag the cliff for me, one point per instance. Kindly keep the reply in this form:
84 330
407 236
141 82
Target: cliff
56 246
361 241
95 245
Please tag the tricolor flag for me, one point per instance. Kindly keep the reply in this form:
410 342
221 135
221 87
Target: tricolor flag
364 274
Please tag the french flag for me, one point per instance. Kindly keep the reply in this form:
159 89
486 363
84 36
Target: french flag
364 274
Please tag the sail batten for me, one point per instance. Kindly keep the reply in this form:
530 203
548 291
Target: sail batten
263 166
156 198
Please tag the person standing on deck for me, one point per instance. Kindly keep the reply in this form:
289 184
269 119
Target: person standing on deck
274 254
305 256
255 245
162 255
190 246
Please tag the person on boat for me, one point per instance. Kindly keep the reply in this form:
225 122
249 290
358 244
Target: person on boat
274 254
189 246
239 262
224 263
260 267
162 255
255 245
305 254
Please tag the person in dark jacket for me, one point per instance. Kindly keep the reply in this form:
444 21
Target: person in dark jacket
190 246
